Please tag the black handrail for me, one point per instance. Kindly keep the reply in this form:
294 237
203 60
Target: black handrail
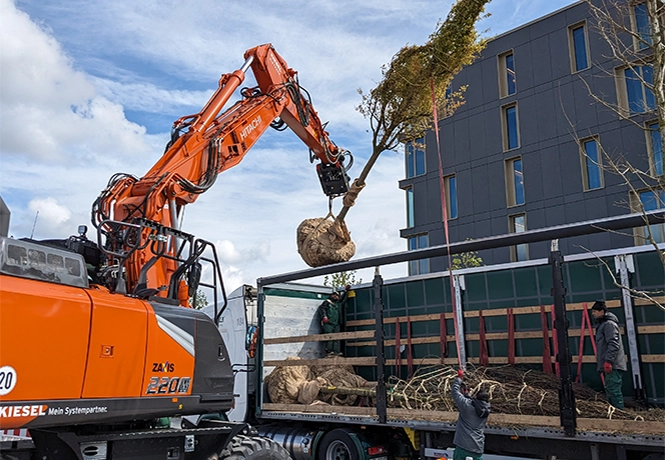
511 239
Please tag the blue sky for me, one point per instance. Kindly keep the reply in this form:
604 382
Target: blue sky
88 89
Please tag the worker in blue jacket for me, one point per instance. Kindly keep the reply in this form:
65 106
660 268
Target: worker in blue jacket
469 437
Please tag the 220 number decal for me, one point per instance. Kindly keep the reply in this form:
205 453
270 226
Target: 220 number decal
7 379
168 385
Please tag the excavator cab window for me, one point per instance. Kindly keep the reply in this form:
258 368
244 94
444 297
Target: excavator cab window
42 262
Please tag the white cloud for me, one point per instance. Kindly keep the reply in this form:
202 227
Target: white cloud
50 110
50 219
150 98
50 211
228 254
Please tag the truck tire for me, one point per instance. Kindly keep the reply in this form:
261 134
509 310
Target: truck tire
337 445
254 448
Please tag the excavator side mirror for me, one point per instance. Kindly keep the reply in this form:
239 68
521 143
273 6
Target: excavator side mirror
194 278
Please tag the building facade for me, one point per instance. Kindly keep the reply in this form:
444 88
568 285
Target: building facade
525 151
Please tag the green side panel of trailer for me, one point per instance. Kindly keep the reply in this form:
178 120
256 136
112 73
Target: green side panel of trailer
489 288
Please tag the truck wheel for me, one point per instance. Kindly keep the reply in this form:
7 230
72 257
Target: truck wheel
337 445
254 448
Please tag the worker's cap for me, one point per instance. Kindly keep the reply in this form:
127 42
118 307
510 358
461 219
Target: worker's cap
599 305
482 395
336 294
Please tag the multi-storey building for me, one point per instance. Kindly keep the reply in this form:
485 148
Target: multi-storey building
525 150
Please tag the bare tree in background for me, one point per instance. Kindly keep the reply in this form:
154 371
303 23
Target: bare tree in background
342 279
635 34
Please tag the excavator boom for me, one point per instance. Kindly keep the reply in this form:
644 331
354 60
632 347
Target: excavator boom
202 146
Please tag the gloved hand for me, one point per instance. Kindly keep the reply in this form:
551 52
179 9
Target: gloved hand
324 320
607 367
347 287
460 373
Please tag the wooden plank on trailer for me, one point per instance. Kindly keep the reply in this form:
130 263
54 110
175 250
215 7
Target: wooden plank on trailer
371 361
319 337
659 329
319 409
621 426
498 312
656 329
396 414
647 302
334 361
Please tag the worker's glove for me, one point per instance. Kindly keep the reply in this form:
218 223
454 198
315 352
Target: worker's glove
324 320
607 367
347 287
460 373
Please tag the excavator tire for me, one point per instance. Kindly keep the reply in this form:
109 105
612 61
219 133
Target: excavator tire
254 448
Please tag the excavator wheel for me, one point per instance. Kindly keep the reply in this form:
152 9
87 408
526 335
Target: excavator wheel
254 448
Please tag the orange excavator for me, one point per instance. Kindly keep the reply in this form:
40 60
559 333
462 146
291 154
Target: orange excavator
95 345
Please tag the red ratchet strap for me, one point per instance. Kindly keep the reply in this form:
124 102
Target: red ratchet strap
443 336
484 355
398 354
511 336
547 354
586 320
581 346
444 210
409 352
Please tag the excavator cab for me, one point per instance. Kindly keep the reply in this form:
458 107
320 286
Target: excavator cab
94 258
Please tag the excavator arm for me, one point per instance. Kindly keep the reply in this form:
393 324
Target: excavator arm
203 145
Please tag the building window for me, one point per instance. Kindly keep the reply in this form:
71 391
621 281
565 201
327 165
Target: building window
641 26
507 74
655 147
514 182
591 164
410 215
450 183
415 158
649 200
418 267
510 127
579 51
634 87
517 224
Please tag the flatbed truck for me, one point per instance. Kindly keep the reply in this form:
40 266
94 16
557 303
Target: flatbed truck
413 311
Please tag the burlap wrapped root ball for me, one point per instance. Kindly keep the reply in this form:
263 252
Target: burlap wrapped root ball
338 376
286 382
324 241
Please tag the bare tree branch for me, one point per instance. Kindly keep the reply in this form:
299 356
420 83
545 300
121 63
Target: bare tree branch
634 293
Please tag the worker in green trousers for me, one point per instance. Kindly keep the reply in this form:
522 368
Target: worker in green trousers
610 356
331 311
